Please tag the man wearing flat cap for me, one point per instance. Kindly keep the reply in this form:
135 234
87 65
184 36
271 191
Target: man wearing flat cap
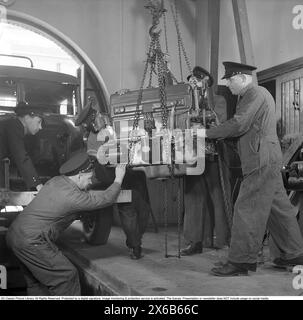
33 233
262 201
28 121
200 73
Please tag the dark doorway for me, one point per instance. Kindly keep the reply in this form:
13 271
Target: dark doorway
270 86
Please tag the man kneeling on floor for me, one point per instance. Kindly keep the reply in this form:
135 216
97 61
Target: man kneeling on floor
33 234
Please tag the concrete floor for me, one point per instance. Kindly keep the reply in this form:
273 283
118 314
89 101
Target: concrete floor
108 270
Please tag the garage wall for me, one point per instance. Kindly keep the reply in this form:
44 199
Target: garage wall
274 38
113 33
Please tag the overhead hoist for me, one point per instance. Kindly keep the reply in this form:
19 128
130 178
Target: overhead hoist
160 124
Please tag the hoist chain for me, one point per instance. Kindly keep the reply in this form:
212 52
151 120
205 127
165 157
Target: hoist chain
165 218
180 60
139 100
154 56
162 73
165 33
161 68
158 65
179 215
179 218
180 41
166 47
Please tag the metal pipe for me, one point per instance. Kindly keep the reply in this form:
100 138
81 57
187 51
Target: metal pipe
16 56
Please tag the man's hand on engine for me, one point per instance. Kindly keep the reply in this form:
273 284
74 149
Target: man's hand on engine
120 172
39 187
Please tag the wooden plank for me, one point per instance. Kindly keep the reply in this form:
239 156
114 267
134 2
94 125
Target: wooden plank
283 113
297 105
301 104
291 108
286 106
11 198
279 108
243 33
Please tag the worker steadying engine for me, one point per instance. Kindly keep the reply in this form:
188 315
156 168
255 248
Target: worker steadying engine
262 201
203 198
33 233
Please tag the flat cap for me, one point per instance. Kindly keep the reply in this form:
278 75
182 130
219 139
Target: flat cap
234 68
86 116
24 108
201 73
79 162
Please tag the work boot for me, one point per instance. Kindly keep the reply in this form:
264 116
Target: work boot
228 270
289 262
221 263
135 253
192 248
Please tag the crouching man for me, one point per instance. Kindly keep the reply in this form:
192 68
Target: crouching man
33 234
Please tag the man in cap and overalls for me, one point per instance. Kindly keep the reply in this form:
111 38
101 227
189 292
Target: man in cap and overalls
203 199
28 121
33 233
134 215
262 201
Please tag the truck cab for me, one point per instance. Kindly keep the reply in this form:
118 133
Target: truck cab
57 96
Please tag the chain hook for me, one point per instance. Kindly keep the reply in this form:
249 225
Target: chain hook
157 10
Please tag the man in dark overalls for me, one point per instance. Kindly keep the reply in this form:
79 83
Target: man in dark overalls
28 121
205 213
262 201
134 216
33 233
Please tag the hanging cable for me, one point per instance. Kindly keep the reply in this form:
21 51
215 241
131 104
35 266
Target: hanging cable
165 32
174 10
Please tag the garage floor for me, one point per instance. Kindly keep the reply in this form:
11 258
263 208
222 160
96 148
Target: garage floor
108 270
